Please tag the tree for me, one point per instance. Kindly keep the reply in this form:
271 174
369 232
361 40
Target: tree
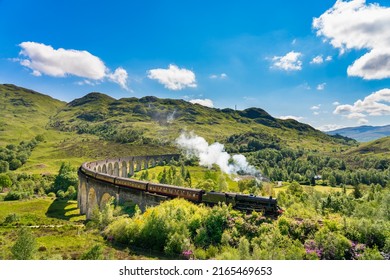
5 182
4 166
25 246
66 177
15 164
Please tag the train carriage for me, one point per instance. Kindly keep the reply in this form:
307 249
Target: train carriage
175 191
105 178
131 183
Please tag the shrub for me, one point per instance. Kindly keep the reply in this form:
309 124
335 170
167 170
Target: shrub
25 245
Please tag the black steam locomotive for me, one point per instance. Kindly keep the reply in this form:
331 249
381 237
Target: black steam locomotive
248 203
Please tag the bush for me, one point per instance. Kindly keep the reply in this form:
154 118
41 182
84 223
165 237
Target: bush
25 245
5 182
11 218
95 253
12 195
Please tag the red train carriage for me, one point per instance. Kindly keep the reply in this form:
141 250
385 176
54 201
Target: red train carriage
105 178
175 191
131 183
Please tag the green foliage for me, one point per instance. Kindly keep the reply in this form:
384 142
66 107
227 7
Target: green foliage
4 166
11 218
95 253
67 176
25 245
5 182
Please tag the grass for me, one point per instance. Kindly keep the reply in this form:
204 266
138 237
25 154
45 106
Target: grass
41 211
58 228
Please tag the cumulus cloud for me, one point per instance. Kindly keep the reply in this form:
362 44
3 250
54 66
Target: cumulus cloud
375 104
321 86
291 117
357 25
173 78
336 103
317 60
119 76
44 59
290 62
203 102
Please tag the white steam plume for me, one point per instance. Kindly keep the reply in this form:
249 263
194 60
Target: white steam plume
215 153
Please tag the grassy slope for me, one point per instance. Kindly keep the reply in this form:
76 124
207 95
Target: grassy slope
26 114
377 147
57 226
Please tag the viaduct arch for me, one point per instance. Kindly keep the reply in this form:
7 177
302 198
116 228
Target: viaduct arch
94 193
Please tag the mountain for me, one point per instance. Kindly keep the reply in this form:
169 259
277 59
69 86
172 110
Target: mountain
98 126
363 133
151 120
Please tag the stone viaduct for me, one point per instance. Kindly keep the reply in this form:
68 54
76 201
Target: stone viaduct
94 192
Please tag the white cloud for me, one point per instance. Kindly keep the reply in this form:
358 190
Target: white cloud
329 127
375 104
363 121
315 107
357 25
173 78
289 62
328 58
321 86
44 59
119 76
221 76
317 60
336 103
291 117
203 102
316 113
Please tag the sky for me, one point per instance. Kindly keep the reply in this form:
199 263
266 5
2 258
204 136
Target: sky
325 63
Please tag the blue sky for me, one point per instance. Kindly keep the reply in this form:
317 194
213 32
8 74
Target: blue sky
324 63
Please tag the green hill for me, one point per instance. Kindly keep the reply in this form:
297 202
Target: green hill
379 146
98 126
150 120
24 113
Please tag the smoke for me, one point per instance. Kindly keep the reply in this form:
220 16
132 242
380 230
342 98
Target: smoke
215 153
171 117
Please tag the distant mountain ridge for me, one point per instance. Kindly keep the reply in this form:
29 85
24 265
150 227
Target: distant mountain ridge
363 133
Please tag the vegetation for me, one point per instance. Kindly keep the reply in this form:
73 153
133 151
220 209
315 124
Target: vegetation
335 191
314 226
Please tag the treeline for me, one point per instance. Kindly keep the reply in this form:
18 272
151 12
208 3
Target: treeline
22 185
308 167
14 156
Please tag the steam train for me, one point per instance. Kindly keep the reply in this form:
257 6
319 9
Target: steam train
248 203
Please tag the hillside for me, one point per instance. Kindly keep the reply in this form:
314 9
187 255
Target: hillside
363 133
98 126
24 113
150 120
376 147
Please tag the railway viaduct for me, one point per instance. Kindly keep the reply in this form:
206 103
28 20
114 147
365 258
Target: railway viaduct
93 192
